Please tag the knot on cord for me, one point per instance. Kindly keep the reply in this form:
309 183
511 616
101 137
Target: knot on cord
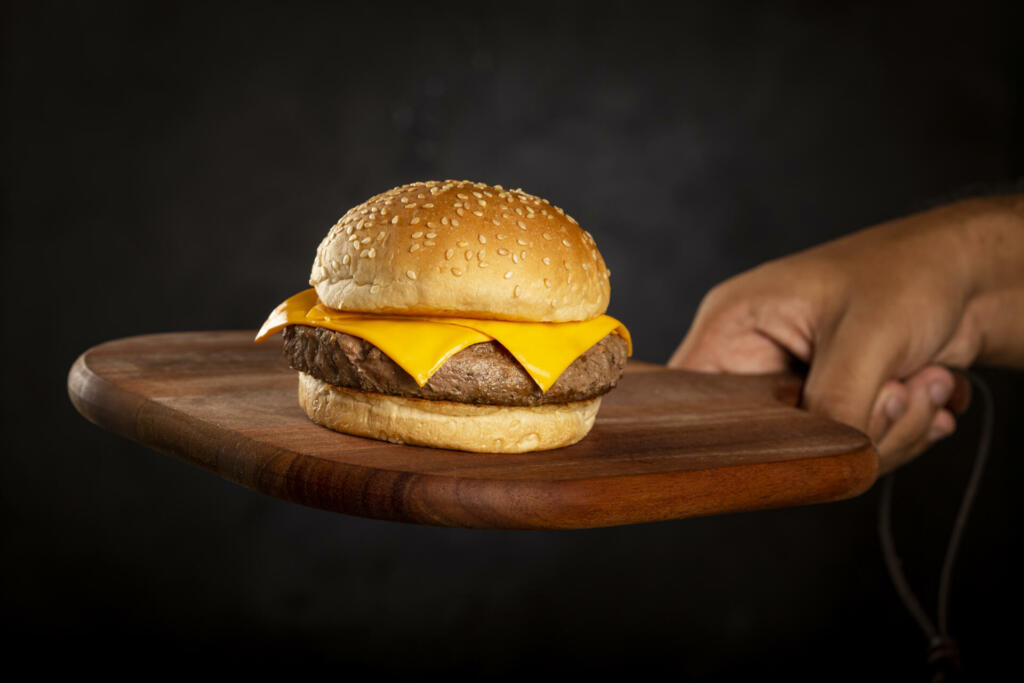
944 657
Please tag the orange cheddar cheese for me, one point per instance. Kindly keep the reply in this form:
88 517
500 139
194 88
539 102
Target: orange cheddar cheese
421 345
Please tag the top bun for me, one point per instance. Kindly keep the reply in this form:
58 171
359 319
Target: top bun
464 249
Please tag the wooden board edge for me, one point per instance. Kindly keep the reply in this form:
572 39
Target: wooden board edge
580 504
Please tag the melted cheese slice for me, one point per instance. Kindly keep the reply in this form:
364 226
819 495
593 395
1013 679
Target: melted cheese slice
421 345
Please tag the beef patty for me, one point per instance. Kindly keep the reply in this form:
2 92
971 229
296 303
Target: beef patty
483 373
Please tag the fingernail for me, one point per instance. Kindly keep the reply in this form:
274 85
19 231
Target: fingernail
939 393
895 407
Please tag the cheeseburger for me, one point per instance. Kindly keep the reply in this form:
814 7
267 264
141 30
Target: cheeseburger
455 315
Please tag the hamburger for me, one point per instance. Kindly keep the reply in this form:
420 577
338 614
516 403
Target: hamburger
457 315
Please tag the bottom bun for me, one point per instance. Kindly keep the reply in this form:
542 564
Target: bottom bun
446 424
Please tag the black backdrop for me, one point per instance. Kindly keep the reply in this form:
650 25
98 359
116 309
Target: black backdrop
172 167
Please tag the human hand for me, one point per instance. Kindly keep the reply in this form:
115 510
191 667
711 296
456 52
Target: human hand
879 316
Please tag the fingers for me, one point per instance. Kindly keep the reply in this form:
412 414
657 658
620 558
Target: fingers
850 368
890 407
703 347
725 336
924 419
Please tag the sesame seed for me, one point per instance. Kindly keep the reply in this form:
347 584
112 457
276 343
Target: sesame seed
483 240
456 272
478 213
448 254
372 252
586 266
462 196
462 243
477 194
508 274
346 259
414 247
410 274
469 255
363 253
515 259
429 243
455 222
484 264
515 292
411 206
522 225
394 221
444 220
522 254
428 206
418 234
503 252
566 242
366 240
415 220
519 211
547 261
461 212
547 283
500 236
431 235
381 235
480 254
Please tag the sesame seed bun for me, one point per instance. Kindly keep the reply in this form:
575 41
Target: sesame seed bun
458 248
446 424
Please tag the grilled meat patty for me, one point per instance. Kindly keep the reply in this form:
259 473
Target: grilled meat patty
483 373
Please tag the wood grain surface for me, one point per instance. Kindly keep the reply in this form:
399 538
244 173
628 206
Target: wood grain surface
667 443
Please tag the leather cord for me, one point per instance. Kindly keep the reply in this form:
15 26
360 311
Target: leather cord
943 652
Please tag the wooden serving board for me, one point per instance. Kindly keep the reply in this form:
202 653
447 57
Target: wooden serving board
667 443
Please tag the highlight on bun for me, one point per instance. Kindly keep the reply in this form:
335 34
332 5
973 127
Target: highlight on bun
465 249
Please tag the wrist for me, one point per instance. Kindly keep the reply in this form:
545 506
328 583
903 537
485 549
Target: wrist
990 234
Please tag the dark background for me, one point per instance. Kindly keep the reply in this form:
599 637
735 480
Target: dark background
172 167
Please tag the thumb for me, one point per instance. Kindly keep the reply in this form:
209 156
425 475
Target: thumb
848 369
